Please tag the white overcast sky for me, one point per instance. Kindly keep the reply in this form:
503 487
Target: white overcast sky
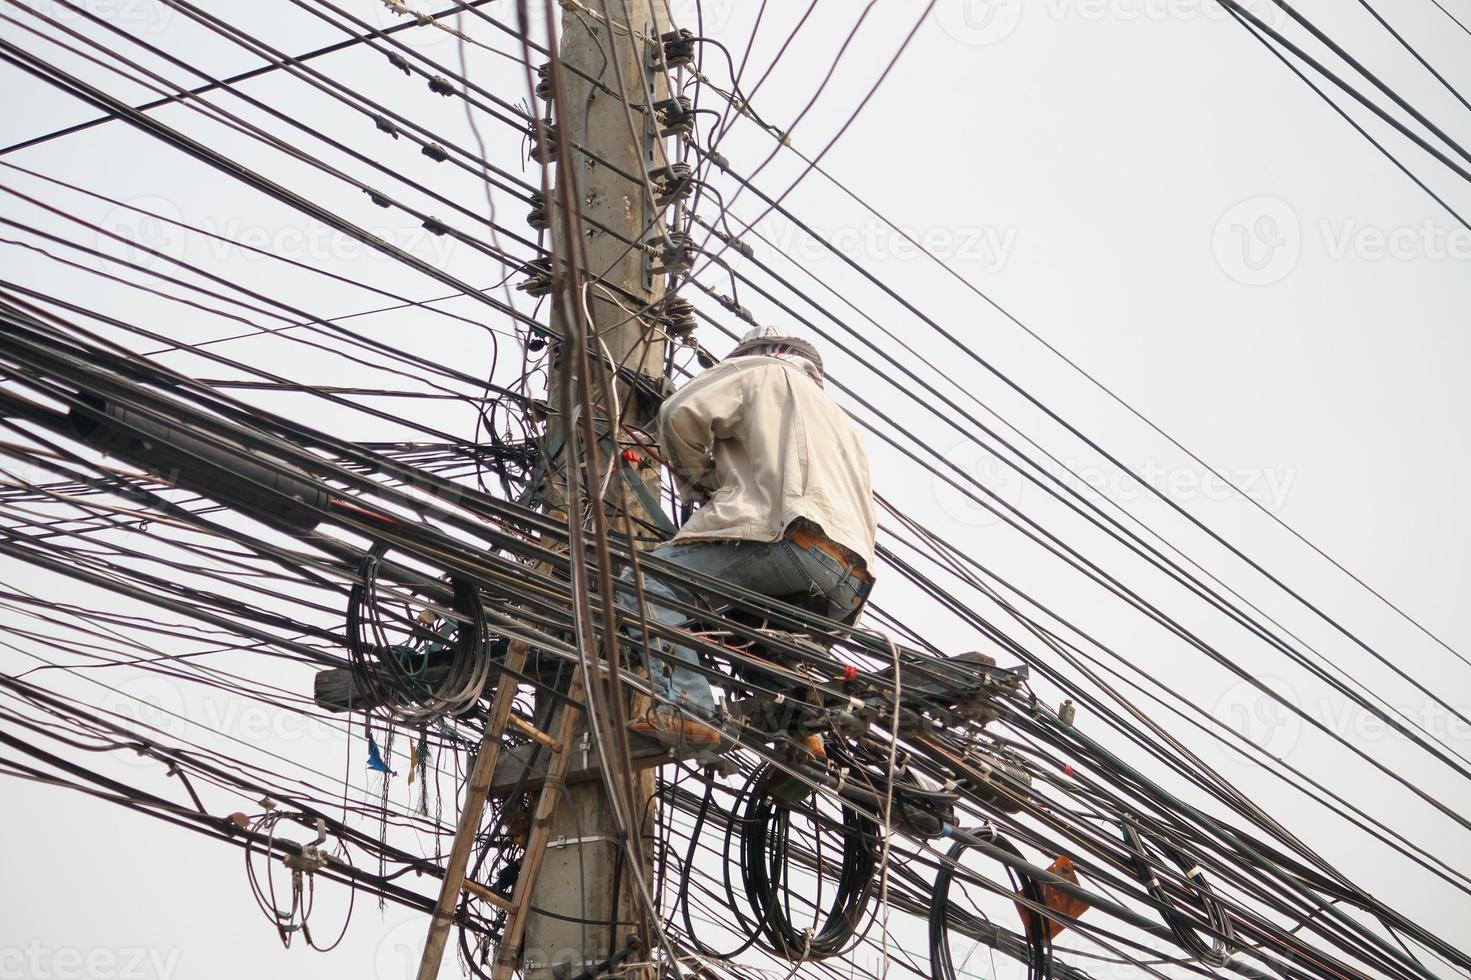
1138 181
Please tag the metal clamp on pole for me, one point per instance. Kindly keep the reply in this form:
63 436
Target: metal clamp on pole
579 841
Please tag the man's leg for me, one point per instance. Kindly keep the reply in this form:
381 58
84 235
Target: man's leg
679 682
759 566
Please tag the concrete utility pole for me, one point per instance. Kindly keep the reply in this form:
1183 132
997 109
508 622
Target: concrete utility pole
581 876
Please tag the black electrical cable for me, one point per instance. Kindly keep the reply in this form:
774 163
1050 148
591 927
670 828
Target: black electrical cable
765 872
234 79
1038 930
1217 951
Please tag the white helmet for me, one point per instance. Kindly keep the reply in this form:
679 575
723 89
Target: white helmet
771 342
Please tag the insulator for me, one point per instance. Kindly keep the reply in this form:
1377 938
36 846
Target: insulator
543 88
434 152
538 281
440 85
679 49
732 242
678 315
672 182
537 218
549 130
676 116
676 255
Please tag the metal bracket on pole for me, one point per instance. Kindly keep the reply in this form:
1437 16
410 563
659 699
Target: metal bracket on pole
579 841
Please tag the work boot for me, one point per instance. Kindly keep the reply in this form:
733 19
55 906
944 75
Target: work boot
788 786
675 732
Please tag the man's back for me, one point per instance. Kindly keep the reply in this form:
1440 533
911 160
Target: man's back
781 449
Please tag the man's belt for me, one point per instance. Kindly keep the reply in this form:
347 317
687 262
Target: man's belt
804 534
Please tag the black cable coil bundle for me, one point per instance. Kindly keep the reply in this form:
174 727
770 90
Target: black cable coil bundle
1039 932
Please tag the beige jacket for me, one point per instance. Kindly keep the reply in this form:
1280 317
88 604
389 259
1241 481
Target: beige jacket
760 444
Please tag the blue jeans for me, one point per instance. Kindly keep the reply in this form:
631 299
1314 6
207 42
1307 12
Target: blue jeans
776 568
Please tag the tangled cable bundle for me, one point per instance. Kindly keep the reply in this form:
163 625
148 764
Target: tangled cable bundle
302 865
764 829
1147 849
1038 933
396 674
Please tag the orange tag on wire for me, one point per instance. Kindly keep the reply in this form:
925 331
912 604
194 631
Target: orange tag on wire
1056 899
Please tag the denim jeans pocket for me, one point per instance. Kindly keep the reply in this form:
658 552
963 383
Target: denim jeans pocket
820 568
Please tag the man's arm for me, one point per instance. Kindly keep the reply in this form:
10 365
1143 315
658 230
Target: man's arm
690 422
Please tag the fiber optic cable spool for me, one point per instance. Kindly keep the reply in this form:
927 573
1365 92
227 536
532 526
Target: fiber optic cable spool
435 669
265 488
946 910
